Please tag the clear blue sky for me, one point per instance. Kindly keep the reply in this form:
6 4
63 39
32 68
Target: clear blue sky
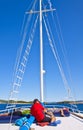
70 13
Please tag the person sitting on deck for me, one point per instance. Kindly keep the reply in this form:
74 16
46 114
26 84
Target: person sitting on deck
58 110
14 112
40 112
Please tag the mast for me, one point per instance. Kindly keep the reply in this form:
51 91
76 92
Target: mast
41 57
42 71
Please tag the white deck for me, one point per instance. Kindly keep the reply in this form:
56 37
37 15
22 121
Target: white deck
67 123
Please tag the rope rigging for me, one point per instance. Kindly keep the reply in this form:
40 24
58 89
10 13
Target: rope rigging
61 41
21 67
54 50
25 26
60 37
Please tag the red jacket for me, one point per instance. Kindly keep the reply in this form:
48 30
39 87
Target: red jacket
37 111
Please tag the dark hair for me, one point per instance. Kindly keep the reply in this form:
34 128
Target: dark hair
35 100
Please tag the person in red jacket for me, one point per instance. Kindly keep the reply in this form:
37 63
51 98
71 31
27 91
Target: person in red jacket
40 113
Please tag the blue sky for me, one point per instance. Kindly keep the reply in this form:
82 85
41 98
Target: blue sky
70 14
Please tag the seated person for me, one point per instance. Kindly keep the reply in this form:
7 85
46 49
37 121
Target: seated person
14 112
40 113
61 110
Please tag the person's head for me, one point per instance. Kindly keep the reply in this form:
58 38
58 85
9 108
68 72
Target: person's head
36 101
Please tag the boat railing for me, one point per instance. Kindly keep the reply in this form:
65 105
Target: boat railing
71 108
8 110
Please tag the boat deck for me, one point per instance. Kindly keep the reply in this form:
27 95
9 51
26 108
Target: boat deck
67 123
